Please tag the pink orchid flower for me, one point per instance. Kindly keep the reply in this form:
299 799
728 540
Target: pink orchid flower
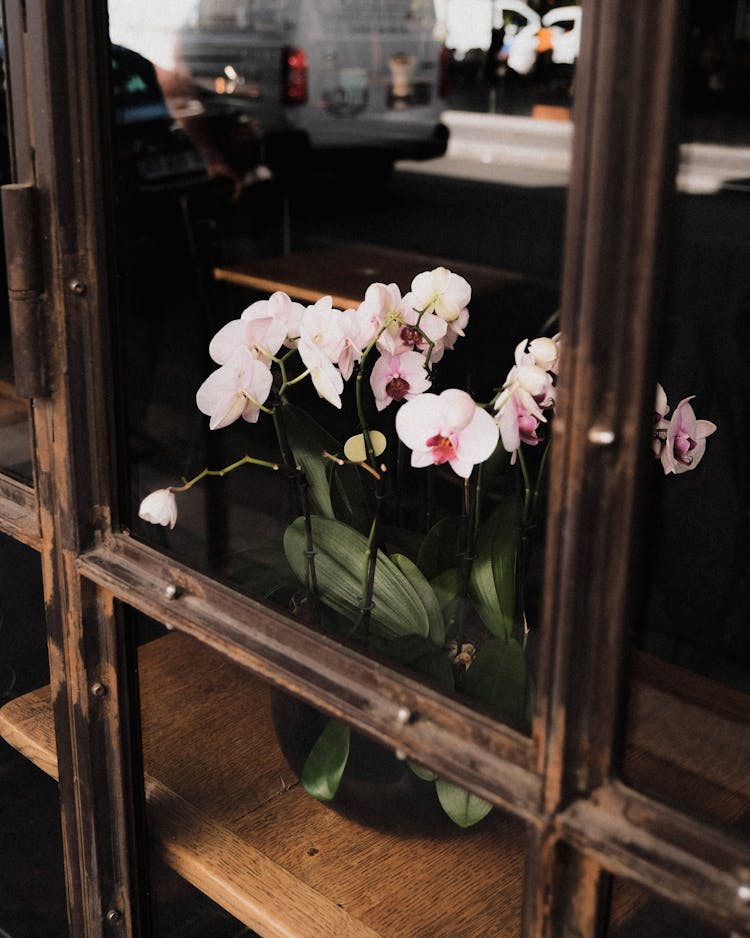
661 409
543 352
456 329
685 443
160 507
283 309
356 330
262 337
447 427
235 390
382 304
325 376
322 327
518 422
398 377
441 292
412 332
532 384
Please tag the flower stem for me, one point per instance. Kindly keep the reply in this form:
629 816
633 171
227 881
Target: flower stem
466 557
303 499
246 460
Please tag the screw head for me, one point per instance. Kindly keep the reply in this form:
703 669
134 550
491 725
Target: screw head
77 287
601 436
743 893
171 591
98 689
114 916
403 715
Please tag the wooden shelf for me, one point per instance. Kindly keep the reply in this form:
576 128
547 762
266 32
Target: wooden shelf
345 271
227 813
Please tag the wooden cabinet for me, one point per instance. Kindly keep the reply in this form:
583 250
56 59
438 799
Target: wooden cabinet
190 710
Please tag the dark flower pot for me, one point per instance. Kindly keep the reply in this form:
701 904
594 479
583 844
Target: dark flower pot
377 789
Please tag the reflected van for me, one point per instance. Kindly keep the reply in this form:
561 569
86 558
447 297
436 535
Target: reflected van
361 78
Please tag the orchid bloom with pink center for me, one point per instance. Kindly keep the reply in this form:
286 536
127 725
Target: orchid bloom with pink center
447 427
325 376
262 337
685 442
235 390
160 507
398 377
356 330
381 307
416 332
661 409
441 292
532 384
518 422
281 308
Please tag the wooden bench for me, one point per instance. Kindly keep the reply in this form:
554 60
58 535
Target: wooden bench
346 270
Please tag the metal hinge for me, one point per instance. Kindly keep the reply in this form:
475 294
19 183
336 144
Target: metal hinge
25 286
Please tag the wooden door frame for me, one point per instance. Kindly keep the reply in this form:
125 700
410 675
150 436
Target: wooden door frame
583 822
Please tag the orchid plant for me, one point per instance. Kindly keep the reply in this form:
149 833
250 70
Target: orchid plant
385 549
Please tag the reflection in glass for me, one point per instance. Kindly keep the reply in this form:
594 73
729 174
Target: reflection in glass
690 708
15 437
213 738
30 839
300 148
635 913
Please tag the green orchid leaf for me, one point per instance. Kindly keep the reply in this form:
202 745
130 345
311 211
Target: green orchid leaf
426 594
461 806
348 497
309 441
437 668
446 587
264 572
427 775
492 585
419 654
401 541
499 678
323 768
406 649
341 555
438 550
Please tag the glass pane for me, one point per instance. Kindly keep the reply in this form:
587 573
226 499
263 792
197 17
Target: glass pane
690 711
15 436
269 148
636 913
510 57
222 755
30 839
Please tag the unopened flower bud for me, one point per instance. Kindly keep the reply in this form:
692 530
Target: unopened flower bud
160 507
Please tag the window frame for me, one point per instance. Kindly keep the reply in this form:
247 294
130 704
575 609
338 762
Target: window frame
563 781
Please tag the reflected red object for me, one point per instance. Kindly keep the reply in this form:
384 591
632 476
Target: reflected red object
294 75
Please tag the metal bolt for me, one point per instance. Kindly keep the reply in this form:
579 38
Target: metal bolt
400 755
403 715
77 287
743 893
114 916
601 436
172 591
98 689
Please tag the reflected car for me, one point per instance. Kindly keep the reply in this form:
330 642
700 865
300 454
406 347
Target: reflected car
360 78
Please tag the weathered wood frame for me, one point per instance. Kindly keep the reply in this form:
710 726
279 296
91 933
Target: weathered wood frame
583 822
